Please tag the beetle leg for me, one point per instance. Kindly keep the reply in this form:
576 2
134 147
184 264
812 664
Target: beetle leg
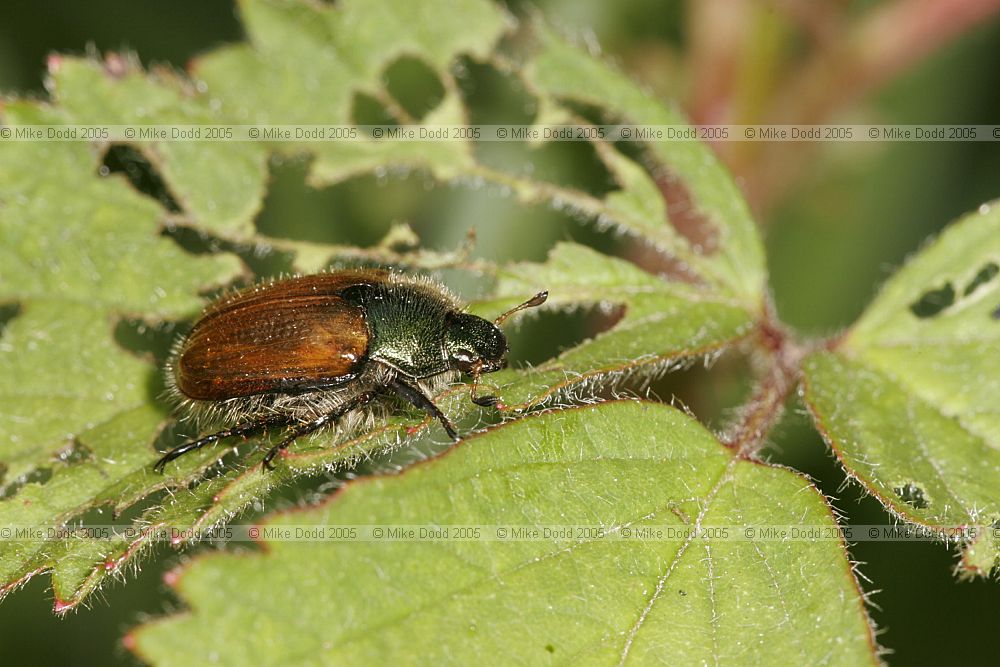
482 401
239 429
305 429
421 400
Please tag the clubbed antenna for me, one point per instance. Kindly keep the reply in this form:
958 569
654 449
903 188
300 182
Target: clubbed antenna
536 300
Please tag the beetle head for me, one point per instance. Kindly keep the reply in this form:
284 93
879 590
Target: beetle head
474 345
477 346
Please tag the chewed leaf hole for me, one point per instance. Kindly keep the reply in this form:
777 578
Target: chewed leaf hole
493 95
261 258
912 495
149 341
366 110
75 452
933 301
37 476
8 311
985 274
131 163
560 331
413 85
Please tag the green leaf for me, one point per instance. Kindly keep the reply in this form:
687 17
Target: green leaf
620 466
663 323
76 250
81 251
326 55
946 352
218 184
69 234
63 375
346 46
727 250
115 470
265 81
908 397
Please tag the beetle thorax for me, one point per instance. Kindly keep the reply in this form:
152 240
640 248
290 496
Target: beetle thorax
406 324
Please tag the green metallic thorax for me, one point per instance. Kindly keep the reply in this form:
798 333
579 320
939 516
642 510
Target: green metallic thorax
407 327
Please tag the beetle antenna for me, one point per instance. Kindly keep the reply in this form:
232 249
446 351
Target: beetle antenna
536 300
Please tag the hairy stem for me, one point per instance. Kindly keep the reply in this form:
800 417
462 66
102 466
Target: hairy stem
756 419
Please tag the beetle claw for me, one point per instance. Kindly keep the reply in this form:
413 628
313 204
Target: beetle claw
486 401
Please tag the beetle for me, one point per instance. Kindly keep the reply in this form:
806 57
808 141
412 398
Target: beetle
308 351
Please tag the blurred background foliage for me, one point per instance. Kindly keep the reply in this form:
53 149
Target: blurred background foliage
838 218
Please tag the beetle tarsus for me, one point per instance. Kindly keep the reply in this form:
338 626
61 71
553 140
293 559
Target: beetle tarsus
297 432
239 429
486 401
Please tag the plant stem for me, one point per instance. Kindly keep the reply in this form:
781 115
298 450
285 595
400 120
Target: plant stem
761 413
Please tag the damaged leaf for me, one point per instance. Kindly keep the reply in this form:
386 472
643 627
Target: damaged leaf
907 398
636 473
